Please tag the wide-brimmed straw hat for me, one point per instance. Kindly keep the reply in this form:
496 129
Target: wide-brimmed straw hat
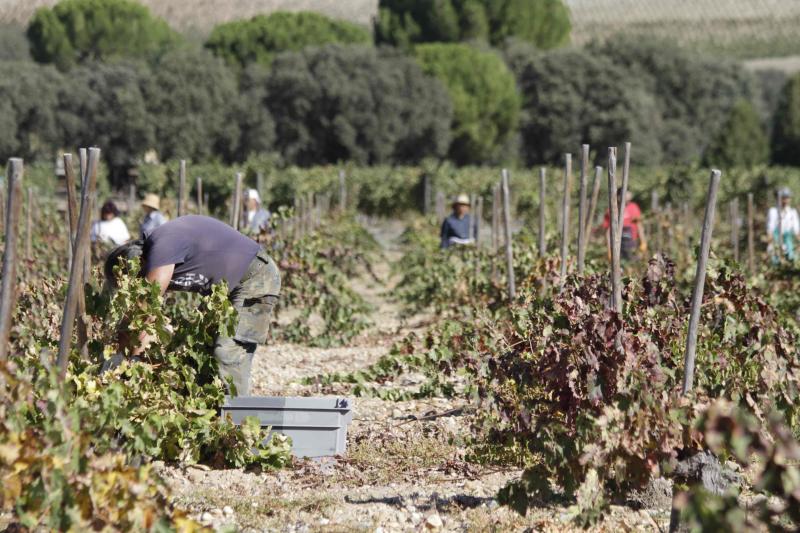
785 192
152 201
462 199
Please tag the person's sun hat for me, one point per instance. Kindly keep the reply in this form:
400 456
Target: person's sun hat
462 199
152 201
785 192
252 194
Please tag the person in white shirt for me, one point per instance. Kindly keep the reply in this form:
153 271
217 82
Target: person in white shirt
789 226
257 217
110 228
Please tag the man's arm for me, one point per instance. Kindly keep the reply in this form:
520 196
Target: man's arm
161 275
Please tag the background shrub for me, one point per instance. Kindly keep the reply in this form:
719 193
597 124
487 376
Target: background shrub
338 103
786 136
741 142
76 31
258 39
483 92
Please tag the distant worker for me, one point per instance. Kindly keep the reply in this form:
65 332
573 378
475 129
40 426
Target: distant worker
632 234
457 228
153 217
110 229
789 225
192 253
257 216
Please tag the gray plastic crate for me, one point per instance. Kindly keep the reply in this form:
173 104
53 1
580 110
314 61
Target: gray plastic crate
317 426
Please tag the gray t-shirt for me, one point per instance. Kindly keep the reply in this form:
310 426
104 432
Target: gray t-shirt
204 251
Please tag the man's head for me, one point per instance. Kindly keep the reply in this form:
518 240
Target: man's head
109 211
461 205
628 197
786 196
252 199
151 203
120 256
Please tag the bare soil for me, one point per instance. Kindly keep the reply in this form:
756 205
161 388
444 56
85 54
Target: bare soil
405 467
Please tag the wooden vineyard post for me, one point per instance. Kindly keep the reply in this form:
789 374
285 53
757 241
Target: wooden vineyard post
751 247
426 194
29 225
565 217
542 212
199 192
440 206
90 167
626 168
2 209
478 220
582 208
614 232
69 240
495 217
512 290
655 209
237 201
699 282
779 239
668 218
182 188
131 198
734 207
342 192
260 185
598 177
8 283
76 275
72 201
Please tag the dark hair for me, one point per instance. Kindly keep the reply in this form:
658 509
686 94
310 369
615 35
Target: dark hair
109 208
129 250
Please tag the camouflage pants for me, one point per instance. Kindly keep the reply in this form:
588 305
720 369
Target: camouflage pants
254 299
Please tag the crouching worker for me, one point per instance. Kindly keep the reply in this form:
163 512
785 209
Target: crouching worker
192 253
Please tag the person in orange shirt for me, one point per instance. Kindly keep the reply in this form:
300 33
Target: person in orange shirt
632 234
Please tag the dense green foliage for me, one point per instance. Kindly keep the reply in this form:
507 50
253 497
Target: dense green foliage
338 103
258 39
786 135
484 96
572 97
76 31
741 142
694 94
543 23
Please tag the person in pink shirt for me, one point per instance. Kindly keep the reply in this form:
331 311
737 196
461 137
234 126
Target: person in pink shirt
632 235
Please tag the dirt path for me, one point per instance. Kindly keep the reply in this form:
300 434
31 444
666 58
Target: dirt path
404 469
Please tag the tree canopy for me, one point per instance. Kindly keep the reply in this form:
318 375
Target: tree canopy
741 142
77 31
484 96
258 39
337 103
571 97
543 23
786 135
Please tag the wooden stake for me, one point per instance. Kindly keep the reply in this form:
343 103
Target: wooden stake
565 217
598 178
426 194
582 208
626 167
512 291
199 191
699 281
495 218
655 209
72 201
614 234
131 198
780 227
76 276
182 188
342 192
734 207
82 325
8 283
237 201
29 226
751 247
542 212
260 185
478 220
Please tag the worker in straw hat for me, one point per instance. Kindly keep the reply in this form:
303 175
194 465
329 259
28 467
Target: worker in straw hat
457 228
153 217
789 226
